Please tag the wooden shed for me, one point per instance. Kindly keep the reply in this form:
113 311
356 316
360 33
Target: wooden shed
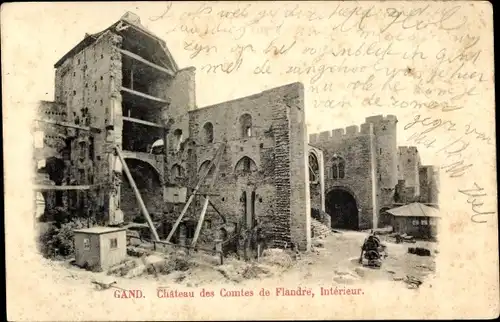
415 219
99 248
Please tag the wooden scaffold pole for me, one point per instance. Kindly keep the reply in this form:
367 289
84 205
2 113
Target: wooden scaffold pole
193 194
205 204
137 195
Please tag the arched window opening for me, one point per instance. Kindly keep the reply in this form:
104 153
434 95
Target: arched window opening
338 167
246 125
208 132
203 170
313 168
245 166
157 147
177 172
177 139
83 149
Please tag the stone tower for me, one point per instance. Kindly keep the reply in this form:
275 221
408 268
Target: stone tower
385 132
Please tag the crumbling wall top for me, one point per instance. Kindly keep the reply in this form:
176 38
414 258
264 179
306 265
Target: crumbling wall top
409 150
380 118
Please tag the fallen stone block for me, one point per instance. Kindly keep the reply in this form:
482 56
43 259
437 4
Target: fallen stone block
136 252
136 271
278 258
318 243
122 269
419 251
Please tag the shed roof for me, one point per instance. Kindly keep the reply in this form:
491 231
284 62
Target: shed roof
414 210
97 230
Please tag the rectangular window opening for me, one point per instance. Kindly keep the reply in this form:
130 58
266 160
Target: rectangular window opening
86 244
113 243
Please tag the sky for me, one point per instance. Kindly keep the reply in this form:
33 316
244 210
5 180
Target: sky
61 26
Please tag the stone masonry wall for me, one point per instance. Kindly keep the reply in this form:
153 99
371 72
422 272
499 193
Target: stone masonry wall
428 178
293 101
181 95
88 83
371 156
269 180
409 163
356 149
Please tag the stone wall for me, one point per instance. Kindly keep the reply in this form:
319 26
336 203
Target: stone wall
371 164
293 103
385 132
263 173
273 161
88 83
409 163
149 184
429 184
50 157
356 148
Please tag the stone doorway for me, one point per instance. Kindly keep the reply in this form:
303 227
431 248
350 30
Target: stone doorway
343 210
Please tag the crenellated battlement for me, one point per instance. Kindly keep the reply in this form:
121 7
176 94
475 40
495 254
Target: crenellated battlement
342 133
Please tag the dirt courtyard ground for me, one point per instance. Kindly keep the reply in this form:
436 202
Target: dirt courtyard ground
333 261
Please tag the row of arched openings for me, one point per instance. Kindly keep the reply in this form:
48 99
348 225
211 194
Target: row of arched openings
245 129
244 166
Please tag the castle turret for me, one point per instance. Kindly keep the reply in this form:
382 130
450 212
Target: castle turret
384 129
409 163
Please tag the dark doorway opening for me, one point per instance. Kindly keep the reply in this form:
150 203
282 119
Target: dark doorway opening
384 218
343 210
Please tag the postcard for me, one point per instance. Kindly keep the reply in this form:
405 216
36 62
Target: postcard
200 161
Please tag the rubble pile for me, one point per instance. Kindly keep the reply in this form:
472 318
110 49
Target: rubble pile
419 251
319 230
195 268
276 257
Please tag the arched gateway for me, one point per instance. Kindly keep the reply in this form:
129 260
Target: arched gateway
343 209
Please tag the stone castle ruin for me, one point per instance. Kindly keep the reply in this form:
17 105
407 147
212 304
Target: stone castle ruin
364 173
124 141
120 96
